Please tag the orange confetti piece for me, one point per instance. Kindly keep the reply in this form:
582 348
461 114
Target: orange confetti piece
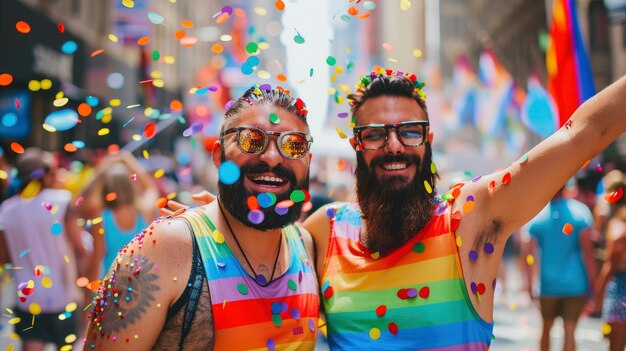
149 130
143 41
110 197
161 202
280 5
82 282
61 27
363 16
614 197
223 17
96 52
176 105
217 48
84 109
5 79
568 228
586 164
352 11
281 77
94 285
17 148
113 149
186 23
180 34
22 27
69 147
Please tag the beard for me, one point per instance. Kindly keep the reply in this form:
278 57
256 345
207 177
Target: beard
234 197
395 208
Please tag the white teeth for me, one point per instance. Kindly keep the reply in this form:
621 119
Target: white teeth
394 166
269 179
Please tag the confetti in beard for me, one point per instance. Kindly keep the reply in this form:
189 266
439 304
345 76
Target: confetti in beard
395 208
234 196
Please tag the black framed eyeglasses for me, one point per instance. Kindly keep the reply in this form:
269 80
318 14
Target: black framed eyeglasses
252 141
374 136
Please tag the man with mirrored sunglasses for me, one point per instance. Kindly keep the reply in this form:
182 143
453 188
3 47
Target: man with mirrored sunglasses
234 274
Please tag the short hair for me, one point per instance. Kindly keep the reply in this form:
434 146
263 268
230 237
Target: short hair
264 94
389 83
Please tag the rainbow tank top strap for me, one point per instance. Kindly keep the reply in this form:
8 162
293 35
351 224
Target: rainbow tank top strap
280 316
413 298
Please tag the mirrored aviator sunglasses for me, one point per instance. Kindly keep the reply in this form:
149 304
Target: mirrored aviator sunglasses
252 140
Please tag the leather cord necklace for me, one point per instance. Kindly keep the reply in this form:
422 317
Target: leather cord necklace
258 278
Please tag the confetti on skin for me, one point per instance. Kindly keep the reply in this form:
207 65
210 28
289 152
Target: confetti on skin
530 260
506 179
473 255
586 164
489 248
523 159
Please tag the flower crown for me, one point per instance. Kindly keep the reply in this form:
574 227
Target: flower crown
378 71
296 103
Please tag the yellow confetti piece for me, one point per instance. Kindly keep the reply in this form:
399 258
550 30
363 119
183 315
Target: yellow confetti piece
103 131
113 38
170 60
128 3
34 85
459 241
31 190
427 186
417 53
606 329
115 102
405 5
530 260
71 307
60 102
66 347
14 321
374 333
59 95
261 11
96 220
171 195
46 84
375 255
468 206
159 173
264 45
10 311
46 282
136 137
3 174
145 153
159 83
341 134
34 309
70 338
10 348
264 74
218 237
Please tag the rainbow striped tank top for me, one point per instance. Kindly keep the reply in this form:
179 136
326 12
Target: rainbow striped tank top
281 316
414 298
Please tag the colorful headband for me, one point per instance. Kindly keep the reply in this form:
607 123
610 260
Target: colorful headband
295 103
368 78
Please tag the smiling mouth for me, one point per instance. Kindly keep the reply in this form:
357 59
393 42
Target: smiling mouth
394 166
268 180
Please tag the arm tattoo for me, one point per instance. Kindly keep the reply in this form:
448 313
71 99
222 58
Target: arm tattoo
125 295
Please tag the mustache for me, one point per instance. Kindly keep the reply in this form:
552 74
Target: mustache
262 167
379 160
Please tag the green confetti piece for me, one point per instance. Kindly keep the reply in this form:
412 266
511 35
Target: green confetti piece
297 196
331 61
298 39
252 47
242 288
155 55
274 118
419 247
311 72
433 168
277 319
292 285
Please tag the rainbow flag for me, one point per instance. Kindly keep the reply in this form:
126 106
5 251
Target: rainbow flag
570 81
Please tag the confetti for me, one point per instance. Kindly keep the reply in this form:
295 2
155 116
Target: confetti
228 172
155 18
62 120
17 148
280 5
69 47
568 228
22 27
56 228
5 79
405 5
61 27
331 61
143 41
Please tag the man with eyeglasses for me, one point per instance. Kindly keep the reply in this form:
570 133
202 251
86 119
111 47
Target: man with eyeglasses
404 270
232 275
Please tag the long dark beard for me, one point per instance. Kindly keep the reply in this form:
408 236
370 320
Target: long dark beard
235 196
395 208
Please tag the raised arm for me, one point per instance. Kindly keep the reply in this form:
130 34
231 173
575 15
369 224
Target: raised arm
506 200
131 308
